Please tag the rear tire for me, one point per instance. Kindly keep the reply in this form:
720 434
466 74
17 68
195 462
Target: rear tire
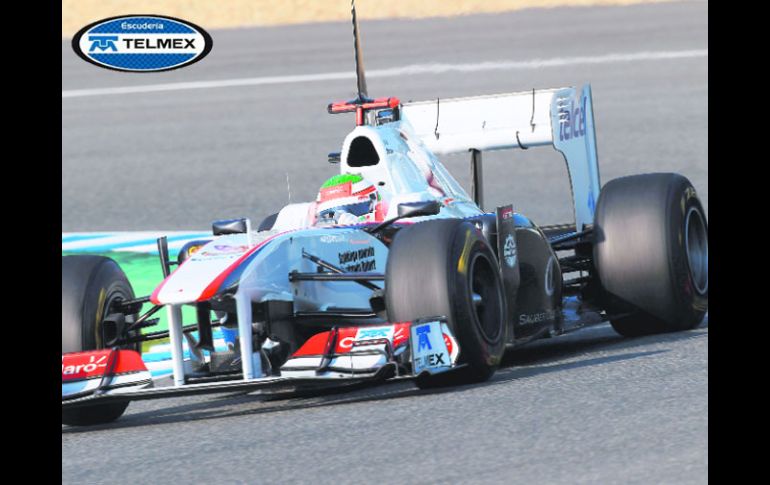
651 253
434 268
89 286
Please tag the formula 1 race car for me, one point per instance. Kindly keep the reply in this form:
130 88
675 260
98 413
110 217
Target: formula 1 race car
394 271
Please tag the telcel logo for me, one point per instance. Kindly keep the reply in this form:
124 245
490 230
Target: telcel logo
572 120
142 43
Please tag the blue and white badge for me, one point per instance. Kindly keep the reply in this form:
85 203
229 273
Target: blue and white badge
429 351
142 43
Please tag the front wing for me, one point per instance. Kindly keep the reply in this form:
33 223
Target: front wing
337 358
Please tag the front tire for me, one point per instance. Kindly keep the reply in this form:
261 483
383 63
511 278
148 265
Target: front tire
446 267
90 285
651 253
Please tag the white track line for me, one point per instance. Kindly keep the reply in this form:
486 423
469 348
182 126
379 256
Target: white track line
393 72
122 239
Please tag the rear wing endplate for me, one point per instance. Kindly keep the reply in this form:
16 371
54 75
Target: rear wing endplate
562 118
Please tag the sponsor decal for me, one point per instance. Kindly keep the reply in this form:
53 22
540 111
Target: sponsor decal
374 335
400 334
349 337
432 360
549 276
331 239
529 319
345 338
81 369
462 263
509 250
336 191
209 255
224 248
424 341
93 364
224 251
572 119
450 342
358 260
429 349
506 213
142 43
366 333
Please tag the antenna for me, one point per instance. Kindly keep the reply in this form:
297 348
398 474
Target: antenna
360 76
363 103
288 186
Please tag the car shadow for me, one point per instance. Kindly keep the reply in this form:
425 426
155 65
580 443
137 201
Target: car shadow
589 339
538 358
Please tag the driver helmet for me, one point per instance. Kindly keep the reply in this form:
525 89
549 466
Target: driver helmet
348 199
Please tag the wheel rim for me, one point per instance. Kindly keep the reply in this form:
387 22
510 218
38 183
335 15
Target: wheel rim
697 247
486 298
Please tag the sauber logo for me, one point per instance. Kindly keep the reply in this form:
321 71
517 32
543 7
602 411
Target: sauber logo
528 319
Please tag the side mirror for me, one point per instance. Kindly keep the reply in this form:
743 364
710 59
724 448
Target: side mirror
230 226
420 208
410 209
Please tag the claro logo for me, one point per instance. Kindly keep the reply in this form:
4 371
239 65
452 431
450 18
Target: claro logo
94 363
142 43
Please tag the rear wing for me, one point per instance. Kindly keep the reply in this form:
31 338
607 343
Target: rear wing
562 118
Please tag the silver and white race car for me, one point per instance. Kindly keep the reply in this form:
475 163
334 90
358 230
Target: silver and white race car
394 271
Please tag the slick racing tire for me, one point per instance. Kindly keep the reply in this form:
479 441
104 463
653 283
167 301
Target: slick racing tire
89 285
651 253
446 268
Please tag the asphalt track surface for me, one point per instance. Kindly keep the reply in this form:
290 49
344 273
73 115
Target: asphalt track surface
590 407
